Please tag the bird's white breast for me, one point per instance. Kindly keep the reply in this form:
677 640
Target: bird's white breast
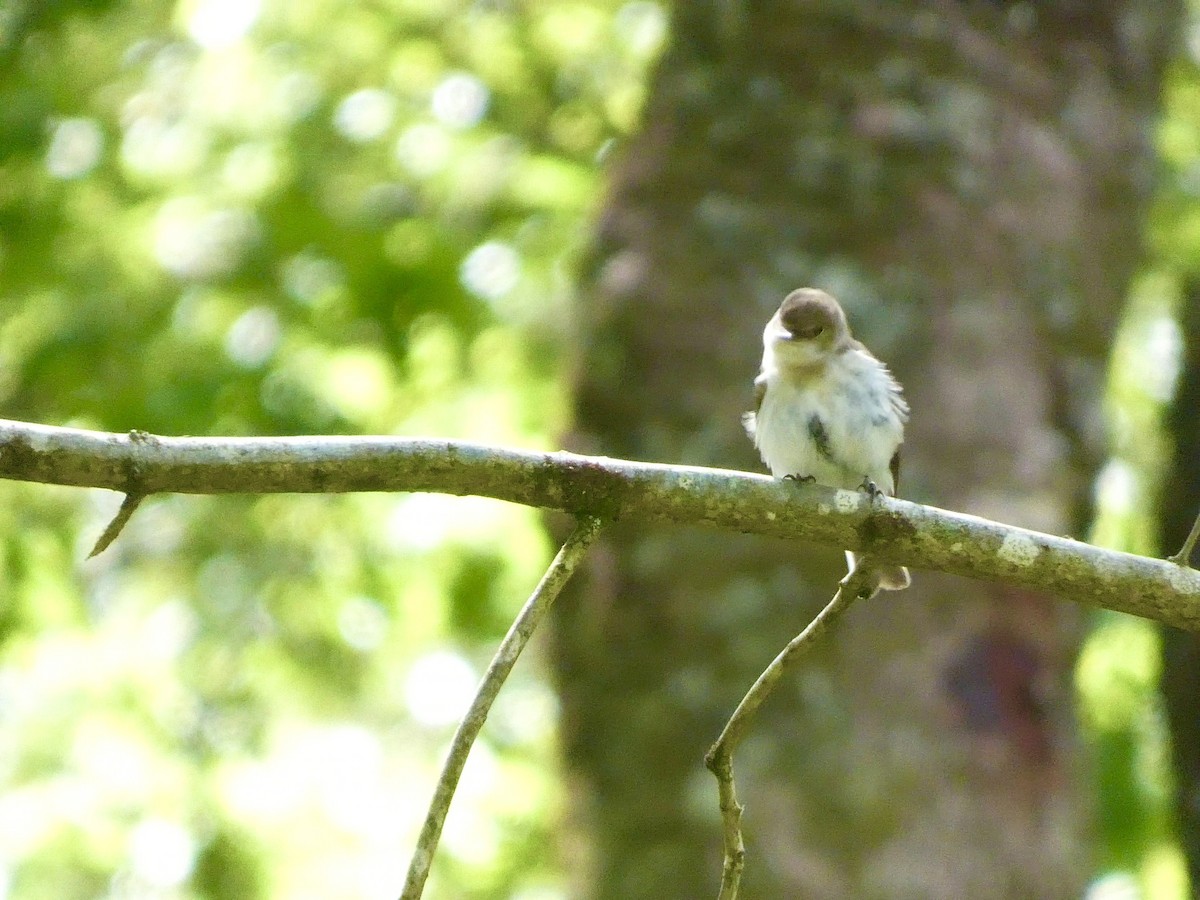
856 402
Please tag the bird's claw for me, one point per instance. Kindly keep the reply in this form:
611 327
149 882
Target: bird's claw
870 487
800 479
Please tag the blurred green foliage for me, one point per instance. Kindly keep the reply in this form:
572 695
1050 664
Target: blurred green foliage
287 216
244 217
1118 672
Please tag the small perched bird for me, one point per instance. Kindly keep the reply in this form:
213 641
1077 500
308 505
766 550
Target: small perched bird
826 410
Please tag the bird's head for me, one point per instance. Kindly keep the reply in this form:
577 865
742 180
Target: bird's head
807 329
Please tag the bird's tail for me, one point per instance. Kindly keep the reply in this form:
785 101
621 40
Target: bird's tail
891 577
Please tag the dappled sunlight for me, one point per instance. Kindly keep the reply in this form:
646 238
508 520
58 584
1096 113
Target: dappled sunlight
194 240
265 218
216 24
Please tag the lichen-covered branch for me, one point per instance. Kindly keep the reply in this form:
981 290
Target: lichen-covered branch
922 537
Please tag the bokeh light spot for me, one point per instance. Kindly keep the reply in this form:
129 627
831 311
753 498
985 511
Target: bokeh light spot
251 169
423 149
365 115
1114 886
309 278
642 26
439 688
460 100
161 149
253 337
75 148
295 95
162 852
358 383
192 241
491 270
1116 487
362 623
216 24
1164 352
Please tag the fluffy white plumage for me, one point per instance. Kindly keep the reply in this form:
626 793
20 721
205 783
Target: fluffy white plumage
826 407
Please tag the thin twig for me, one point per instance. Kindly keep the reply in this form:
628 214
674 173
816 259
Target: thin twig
128 506
1184 556
526 622
719 759
134 441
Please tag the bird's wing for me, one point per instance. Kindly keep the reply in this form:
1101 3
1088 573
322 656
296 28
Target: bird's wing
750 419
896 396
895 467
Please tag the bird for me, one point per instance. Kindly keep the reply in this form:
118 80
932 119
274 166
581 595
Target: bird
827 410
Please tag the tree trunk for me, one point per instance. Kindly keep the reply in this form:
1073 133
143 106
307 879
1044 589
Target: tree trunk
970 180
1181 650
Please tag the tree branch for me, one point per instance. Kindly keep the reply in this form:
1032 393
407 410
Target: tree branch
719 759
526 622
896 531
1184 556
128 507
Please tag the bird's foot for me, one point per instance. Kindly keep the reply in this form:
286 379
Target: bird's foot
870 487
800 479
